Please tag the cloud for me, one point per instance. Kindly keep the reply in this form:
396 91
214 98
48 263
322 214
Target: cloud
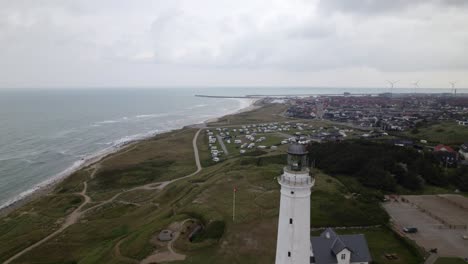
310 40
379 7
65 42
368 7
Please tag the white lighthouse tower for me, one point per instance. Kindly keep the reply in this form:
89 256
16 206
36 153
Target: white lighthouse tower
293 244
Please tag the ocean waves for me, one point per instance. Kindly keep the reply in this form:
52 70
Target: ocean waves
66 141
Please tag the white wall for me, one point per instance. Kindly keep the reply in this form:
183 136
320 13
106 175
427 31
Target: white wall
347 255
295 237
464 154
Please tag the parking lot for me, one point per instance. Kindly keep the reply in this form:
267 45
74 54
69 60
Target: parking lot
432 216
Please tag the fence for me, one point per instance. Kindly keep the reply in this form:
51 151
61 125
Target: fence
445 224
457 204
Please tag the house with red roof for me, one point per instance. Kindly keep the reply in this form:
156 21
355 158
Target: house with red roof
441 147
446 155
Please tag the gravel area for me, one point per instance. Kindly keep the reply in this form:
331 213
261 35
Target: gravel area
424 212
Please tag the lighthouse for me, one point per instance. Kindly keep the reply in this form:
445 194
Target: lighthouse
293 243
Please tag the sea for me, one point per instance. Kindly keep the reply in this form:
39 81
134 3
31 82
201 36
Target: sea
45 134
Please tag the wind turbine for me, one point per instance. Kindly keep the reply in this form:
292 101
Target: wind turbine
416 85
454 90
392 85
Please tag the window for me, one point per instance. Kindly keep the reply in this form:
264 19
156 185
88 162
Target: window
343 256
289 253
292 192
290 221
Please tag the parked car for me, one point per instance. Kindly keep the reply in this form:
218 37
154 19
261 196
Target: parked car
410 230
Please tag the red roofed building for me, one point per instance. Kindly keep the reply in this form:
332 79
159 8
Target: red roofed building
441 147
446 155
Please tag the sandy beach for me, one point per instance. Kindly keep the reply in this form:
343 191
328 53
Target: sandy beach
48 186
252 106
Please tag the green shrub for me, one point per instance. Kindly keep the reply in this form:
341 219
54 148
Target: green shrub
264 161
377 165
214 230
254 153
132 175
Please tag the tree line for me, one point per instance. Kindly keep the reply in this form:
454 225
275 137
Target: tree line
385 166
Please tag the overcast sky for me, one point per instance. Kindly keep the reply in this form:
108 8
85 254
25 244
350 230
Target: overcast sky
336 43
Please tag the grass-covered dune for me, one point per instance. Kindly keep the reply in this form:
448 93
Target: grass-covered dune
126 211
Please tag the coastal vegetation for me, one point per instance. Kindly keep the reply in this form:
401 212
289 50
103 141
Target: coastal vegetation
267 113
450 261
128 207
386 167
444 132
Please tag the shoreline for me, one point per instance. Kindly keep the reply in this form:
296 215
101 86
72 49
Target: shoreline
252 106
47 186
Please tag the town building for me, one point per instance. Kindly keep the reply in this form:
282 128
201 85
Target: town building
446 155
464 150
330 248
462 122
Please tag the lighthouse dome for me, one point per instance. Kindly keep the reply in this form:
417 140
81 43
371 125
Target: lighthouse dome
297 149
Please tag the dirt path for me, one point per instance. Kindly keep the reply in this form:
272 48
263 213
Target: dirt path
170 254
169 245
158 185
77 213
95 167
70 220
119 256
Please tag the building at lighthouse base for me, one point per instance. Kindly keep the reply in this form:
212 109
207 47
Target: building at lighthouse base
330 248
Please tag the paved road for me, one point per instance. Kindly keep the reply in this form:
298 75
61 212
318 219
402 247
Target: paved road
431 259
221 142
77 213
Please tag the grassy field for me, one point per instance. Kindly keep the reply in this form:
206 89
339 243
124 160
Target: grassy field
447 132
267 113
164 157
383 241
40 217
136 217
167 156
336 204
33 222
450 261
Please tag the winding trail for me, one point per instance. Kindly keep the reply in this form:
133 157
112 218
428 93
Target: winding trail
119 255
70 220
169 245
170 254
73 217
